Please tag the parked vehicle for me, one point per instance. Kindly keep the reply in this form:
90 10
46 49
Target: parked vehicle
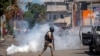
91 38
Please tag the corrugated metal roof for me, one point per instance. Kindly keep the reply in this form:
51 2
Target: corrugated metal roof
65 20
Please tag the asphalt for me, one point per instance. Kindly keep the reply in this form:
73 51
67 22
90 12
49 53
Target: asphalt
83 51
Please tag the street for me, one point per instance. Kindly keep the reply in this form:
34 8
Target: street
63 24
83 51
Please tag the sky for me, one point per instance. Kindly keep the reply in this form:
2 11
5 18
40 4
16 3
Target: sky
37 1
34 1
22 3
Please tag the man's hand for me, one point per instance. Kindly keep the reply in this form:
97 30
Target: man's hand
53 44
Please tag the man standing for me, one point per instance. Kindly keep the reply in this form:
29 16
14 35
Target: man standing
49 41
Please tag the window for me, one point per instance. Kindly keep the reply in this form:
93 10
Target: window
98 28
62 16
54 17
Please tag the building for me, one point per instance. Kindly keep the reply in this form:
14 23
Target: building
74 9
88 14
57 10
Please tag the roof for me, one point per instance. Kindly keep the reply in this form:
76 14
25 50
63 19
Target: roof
65 20
56 8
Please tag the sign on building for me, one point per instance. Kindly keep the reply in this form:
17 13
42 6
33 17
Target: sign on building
96 8
97 15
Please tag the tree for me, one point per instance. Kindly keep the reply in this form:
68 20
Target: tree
29 5
8 7
4 4
35 13
37 9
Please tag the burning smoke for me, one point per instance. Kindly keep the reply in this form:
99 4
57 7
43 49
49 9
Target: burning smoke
33 40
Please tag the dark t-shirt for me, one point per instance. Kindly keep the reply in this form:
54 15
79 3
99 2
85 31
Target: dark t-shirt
48 38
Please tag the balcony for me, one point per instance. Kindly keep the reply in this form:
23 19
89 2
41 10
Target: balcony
56 8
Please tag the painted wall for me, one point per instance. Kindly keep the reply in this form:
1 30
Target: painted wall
87 16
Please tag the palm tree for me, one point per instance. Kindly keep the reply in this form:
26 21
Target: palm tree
29 5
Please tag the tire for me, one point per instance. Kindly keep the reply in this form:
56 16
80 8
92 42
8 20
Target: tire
97 51
90 49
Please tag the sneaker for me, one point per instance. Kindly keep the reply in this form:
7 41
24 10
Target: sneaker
2 39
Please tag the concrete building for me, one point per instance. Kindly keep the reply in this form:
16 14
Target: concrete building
56 10
89 19
69 12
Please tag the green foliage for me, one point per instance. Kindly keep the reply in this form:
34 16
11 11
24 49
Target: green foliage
28 14
4 4
35 13
29 5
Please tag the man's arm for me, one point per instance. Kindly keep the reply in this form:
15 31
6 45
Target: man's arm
53 44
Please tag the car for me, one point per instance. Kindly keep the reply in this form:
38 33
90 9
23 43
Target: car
91 38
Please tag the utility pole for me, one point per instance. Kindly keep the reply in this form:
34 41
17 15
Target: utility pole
66 4
1 24
73 14
91 14
72 21
50 14
81 20
72 2
1 28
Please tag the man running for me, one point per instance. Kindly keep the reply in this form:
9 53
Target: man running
49 41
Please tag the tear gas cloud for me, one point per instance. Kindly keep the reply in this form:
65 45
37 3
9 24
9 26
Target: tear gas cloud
33 40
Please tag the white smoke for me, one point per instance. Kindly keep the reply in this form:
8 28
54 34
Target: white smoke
33 40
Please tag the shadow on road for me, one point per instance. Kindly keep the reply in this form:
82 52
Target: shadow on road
92 54
88 53
3 45
83 49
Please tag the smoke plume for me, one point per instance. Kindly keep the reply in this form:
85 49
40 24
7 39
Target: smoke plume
33 39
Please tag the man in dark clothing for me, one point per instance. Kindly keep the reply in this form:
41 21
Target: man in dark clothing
49 41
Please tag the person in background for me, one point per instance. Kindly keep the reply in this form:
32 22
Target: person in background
4 30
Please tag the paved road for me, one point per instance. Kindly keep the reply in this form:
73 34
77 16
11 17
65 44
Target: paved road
83 51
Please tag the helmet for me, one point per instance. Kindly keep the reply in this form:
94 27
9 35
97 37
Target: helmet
52 29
